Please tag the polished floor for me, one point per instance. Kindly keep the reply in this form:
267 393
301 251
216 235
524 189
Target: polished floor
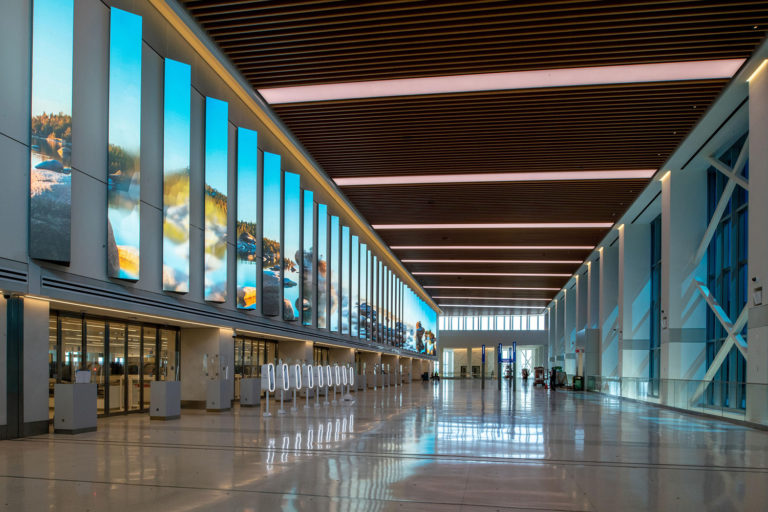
421 447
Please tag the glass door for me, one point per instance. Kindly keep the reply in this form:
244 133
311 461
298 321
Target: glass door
95 358
117 395
132 367
168 354
148 363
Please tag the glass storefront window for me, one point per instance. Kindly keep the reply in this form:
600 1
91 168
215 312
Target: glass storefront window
168 355
132 365
94 359
116 367
71 347
148 363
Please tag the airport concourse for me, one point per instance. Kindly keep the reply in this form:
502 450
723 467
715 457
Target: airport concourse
383 255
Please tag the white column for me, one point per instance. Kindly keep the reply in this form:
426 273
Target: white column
3 364
757 336
634 299
36 392
582 293
683 310
609 311
216 347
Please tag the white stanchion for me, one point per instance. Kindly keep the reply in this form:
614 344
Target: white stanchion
328 381
296 384
349 377
336 382
310 382
268 374
320 382
286 385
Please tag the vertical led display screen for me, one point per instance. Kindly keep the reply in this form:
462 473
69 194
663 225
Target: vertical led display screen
291 247
50 193
322 267
271 255
176 155
308 291
123 175
374 298
380 302
216 194
354 297
363 311
334 256
247 217
346 279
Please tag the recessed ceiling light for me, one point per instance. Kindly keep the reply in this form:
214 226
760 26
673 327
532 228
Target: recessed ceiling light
502 225
505 262
496 274
450 287
495 177
494 247
542 78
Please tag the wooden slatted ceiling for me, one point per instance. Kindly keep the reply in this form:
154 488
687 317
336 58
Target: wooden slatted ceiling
609 127
291 42
495 202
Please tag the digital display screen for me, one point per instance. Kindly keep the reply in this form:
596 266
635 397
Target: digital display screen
346 278
323 282
374 320
291 247
176 156
334 255
50 194
308 290
247 218
354 296
124 171
216 193
271 255
363 311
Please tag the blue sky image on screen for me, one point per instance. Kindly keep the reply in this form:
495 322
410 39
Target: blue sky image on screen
50 196
308 291
176 156
216 198
335 258
248 245
271 249
291 246
345 279
322 267
124 173
354 293
364 306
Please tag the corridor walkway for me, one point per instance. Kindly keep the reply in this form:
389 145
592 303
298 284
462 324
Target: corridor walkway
422 447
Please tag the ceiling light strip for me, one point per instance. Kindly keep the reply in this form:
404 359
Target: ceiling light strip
493 247
529 288
507 177
534 79
500 225
504 262
488 298
495 274
487 306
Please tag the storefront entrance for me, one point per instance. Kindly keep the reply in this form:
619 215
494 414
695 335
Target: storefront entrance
250 354
123 358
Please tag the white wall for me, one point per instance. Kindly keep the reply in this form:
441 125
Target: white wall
35 360
3 362
197 346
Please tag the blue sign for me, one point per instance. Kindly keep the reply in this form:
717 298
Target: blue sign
483 354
